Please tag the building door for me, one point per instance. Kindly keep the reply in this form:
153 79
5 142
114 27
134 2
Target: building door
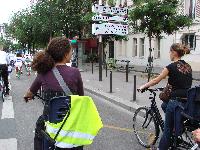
111 49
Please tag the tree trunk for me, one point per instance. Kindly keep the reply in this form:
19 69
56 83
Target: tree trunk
33 48
150 58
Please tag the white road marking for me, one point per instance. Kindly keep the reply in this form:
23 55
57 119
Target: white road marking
7 111
8 144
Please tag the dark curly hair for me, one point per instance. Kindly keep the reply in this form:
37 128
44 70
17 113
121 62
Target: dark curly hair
45 60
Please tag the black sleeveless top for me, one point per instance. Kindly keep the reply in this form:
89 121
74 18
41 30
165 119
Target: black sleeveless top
180 77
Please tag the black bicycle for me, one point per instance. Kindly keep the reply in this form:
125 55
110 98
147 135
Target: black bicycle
148 122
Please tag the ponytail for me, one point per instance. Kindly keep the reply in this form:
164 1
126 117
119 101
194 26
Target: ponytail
186 49
42 62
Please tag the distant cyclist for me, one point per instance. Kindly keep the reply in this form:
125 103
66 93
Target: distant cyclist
4 61
27 62
18 63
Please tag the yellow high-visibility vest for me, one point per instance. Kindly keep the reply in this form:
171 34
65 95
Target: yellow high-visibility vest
81 126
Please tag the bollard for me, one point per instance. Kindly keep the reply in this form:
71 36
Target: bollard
110 81
127 72
134 88
106 70
92 67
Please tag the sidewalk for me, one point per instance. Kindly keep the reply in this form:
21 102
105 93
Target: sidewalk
122 94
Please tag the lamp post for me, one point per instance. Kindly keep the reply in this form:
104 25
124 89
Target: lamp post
100 52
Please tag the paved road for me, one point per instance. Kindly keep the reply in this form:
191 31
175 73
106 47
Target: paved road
17 128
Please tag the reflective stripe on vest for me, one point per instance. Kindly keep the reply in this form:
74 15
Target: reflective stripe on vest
81 127
63 133
65 145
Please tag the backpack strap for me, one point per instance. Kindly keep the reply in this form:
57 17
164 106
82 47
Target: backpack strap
61 82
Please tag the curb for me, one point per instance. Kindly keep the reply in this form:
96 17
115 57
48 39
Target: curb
128 105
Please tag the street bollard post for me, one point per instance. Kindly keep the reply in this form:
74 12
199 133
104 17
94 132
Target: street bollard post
110 81
127 68
126 73
92 67
106 70
134 88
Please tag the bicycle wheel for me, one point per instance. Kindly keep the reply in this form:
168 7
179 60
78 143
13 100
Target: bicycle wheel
145 127
2 91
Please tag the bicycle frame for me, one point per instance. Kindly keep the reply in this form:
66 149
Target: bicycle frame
158 119
155 111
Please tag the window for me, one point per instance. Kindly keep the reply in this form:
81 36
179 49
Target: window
190 8
189 40
141 47
157 48
135 45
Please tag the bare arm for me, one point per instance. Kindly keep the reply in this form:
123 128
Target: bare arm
155 81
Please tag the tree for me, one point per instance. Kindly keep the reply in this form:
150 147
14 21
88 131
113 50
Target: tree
156 17
5 43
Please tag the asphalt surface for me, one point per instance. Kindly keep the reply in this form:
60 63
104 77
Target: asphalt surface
116 135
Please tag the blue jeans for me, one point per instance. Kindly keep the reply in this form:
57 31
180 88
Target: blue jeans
173 121
164 106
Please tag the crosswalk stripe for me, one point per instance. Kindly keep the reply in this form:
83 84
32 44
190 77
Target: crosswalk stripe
7 110
8 144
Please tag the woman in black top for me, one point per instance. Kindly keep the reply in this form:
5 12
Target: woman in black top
180 77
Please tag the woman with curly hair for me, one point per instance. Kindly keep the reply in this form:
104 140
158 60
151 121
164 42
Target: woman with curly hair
57 54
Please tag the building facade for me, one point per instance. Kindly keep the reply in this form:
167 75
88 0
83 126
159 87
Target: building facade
136 49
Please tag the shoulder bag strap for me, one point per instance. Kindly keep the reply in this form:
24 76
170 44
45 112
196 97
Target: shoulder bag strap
61 82
65 89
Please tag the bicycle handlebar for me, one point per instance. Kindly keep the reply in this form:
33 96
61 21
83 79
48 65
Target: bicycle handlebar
150 90
35 95
38 96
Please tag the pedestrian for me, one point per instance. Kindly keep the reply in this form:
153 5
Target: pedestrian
57 54
180 78
18 64
4 62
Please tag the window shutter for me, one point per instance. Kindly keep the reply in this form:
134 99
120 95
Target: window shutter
197 10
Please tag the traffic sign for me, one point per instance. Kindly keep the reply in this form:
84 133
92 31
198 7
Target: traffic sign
121 11
110 19
109 28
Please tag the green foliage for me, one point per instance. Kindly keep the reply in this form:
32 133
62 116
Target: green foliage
157 16
5 43
111 2
111 63
108 38
48 18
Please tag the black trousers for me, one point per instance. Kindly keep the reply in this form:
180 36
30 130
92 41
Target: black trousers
4 74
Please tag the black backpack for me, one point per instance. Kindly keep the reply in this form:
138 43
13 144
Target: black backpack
192 107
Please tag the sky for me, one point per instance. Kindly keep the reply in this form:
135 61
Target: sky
7 7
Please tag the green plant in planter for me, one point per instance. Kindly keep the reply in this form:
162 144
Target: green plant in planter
111 63
92 58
